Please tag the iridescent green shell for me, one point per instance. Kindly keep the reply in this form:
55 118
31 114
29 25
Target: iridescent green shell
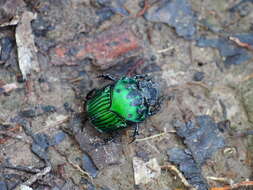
114 106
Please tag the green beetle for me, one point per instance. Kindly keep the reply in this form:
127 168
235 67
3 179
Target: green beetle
129 100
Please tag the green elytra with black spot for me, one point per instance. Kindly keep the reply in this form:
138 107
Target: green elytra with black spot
125 101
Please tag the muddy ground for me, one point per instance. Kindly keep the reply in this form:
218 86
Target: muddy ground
194 80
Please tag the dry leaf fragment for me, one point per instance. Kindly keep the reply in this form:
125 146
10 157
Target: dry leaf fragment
27 51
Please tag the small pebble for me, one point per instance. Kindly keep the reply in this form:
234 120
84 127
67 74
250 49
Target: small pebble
20 79
41 80
141 4
198 76
58 138
104 14
85 61
153 58
89 166
24 187
88 184
7 44
48 108
67 107
41 27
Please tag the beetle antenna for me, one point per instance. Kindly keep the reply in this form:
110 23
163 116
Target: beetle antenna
107 77
136 132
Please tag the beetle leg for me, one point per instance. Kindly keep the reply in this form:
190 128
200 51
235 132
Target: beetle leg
112 137
91 94
107 76
157 106
136 132
143 76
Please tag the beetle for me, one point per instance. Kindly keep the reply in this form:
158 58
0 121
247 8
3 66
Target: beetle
124 102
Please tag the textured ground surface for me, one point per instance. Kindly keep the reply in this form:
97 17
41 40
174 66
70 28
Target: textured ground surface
214 79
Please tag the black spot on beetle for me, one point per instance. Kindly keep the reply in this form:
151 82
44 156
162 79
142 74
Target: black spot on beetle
141 111
133 94
118 90
137 101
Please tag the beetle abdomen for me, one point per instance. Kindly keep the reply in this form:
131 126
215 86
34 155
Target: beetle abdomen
98 111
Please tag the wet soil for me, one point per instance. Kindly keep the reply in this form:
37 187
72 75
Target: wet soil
194 81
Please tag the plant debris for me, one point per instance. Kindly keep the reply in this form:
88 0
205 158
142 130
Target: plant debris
144 172
37 111
34 178
51 52
6 46
176 13
89 166
41 143
27 51
233 53
243 7
179 174
109 8
201 136
8 88
243 185
190 169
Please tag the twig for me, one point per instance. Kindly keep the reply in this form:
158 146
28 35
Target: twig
8 88
21 168
79 169
151 137
14 21
165 50
248 77
35 177
234 186
220 179
75 166
241 44
73 80
9 133
13 136
199 84
179 174
60 119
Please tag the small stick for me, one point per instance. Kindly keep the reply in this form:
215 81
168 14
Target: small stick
79 169
8 87
73 80
199 84
234 186
220 179
13 136
241 44
179 174
151 137
35 177
165 50
248 77
75 166
21 168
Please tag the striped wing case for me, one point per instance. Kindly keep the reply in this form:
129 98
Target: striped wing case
98 109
